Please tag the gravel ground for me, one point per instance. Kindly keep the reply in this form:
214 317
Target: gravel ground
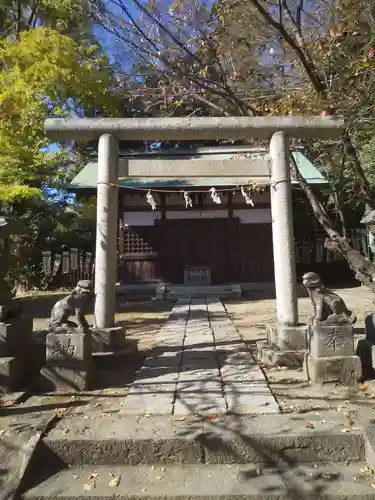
290 387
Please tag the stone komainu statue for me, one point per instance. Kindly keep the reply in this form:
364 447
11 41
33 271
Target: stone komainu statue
76 303
329 308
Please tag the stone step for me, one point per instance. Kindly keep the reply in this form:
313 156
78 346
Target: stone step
209 482
119 439
220 291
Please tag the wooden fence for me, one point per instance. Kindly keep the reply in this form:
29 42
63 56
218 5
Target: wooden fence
312 256
62 269
310 248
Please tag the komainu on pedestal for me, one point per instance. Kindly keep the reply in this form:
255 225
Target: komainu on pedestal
331 355
69 364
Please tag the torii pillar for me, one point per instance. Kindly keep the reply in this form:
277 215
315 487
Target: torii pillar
106 232
283 232
276 128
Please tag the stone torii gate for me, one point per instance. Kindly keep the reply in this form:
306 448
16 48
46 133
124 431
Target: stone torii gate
110 130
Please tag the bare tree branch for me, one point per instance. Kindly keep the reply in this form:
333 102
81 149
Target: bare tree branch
304 58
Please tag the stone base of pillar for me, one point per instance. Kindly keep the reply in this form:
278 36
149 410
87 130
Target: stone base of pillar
344 369
287 337
285 346
108 339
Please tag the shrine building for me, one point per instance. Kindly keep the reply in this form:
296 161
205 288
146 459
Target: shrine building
198 235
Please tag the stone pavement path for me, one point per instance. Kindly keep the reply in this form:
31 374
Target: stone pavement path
199 365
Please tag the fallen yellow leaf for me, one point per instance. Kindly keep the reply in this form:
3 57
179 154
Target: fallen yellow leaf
4 404
114 482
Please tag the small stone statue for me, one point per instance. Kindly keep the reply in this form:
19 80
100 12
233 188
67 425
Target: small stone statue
329 308
76 304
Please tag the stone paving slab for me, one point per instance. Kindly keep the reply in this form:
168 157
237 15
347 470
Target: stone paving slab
199 364
209 482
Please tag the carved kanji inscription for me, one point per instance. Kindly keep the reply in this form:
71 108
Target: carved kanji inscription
326 341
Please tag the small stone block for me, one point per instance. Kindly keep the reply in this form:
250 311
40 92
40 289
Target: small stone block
327 341
270 357
370 326
108 339
15 336
68 361
10 374
344 369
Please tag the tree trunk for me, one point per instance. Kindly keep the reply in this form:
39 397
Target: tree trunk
362 267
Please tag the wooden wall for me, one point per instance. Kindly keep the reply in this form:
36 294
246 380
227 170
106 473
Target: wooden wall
233 239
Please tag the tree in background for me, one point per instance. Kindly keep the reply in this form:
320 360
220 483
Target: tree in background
50 66
256 57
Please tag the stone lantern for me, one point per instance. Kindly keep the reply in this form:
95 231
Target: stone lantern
15 329
8 226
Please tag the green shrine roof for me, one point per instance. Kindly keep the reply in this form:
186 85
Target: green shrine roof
87 178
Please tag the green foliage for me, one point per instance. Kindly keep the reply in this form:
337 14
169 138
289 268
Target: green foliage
72 17
51 227
51 66
44 74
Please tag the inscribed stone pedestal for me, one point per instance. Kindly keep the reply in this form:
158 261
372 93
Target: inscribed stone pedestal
344 369
327 341
68 361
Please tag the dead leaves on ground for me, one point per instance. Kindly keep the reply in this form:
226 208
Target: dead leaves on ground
92 481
